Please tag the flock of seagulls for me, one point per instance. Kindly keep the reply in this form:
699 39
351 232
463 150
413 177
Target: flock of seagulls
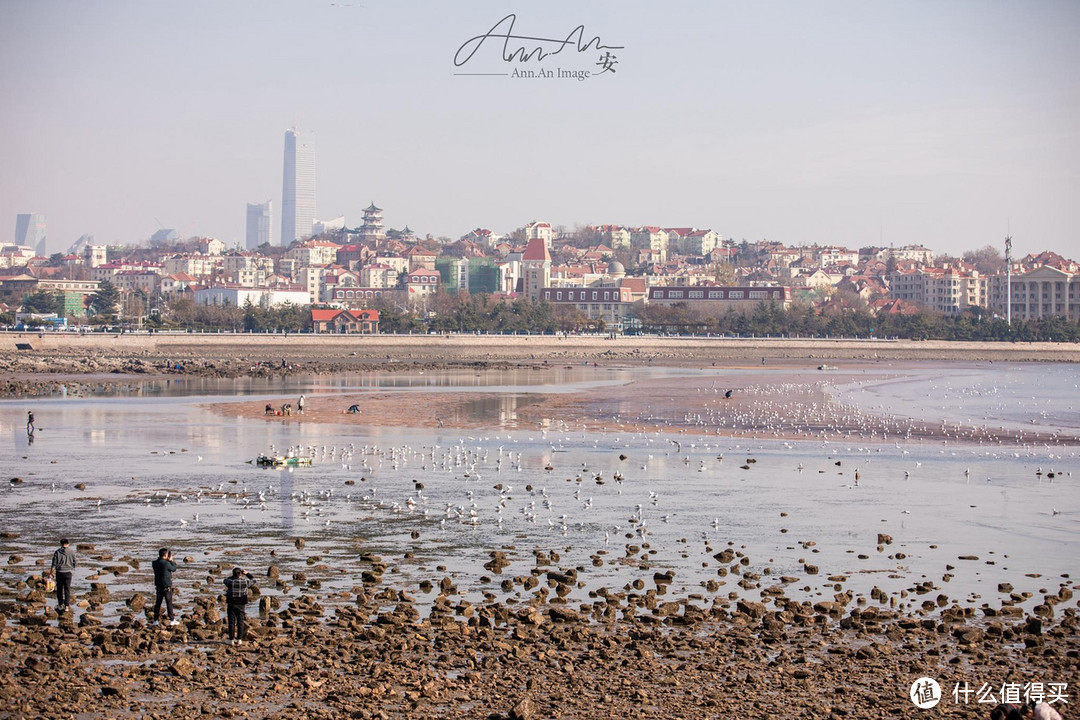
495 482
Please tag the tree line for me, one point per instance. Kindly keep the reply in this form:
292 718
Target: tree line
481 313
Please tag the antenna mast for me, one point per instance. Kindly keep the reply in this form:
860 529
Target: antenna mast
1008 279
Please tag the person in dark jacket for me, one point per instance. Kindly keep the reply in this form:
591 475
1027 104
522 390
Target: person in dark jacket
236 600
63 565
164 567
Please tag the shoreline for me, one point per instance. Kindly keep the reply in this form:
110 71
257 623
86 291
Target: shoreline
502 348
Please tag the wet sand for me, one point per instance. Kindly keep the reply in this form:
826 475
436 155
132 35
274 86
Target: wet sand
789 399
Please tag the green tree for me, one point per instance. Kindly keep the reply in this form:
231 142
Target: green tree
43 301
105 300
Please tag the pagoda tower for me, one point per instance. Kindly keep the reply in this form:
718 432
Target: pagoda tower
372 228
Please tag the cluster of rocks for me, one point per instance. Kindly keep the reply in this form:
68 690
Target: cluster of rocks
54 373
380 651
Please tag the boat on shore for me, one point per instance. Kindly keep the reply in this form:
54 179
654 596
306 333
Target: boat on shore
282 460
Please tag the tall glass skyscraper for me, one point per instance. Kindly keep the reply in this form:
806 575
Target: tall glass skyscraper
298 189
259 224
30 231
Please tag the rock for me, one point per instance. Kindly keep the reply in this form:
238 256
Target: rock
524 710
182 667
1044 610
753 609
560 613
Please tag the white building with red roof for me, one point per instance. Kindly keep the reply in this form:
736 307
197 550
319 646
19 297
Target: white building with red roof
314 252
421 284
484 237
539 230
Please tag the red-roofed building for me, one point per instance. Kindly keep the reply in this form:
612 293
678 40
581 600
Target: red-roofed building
420 284
353 256
887 306
535 268
539 231
345 322
419 258
652 239
610 304
1048 258
483 236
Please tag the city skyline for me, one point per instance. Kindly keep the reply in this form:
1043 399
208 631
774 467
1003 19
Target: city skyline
941 124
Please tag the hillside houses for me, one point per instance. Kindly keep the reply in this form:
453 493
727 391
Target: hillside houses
626 265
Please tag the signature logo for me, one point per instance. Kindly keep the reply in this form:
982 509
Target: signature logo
519 49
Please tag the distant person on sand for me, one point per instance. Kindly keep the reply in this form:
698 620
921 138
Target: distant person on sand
300 405
268 410
29 422
353 409
236 600
164 567
63 565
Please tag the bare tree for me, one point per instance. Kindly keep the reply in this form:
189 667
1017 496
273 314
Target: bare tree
988 260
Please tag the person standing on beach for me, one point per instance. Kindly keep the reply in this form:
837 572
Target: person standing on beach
29 422
236 600
300 406
164 567
63 565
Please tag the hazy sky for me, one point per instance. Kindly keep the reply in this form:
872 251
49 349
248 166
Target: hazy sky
946 123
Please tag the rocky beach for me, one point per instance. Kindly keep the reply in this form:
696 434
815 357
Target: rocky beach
347 626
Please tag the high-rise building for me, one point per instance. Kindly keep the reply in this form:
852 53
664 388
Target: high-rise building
164 235
30 231
259 224
298 189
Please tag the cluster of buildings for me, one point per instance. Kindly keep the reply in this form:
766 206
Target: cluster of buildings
347 271
350 271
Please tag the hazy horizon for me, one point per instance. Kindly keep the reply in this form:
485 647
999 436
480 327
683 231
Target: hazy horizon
947 124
